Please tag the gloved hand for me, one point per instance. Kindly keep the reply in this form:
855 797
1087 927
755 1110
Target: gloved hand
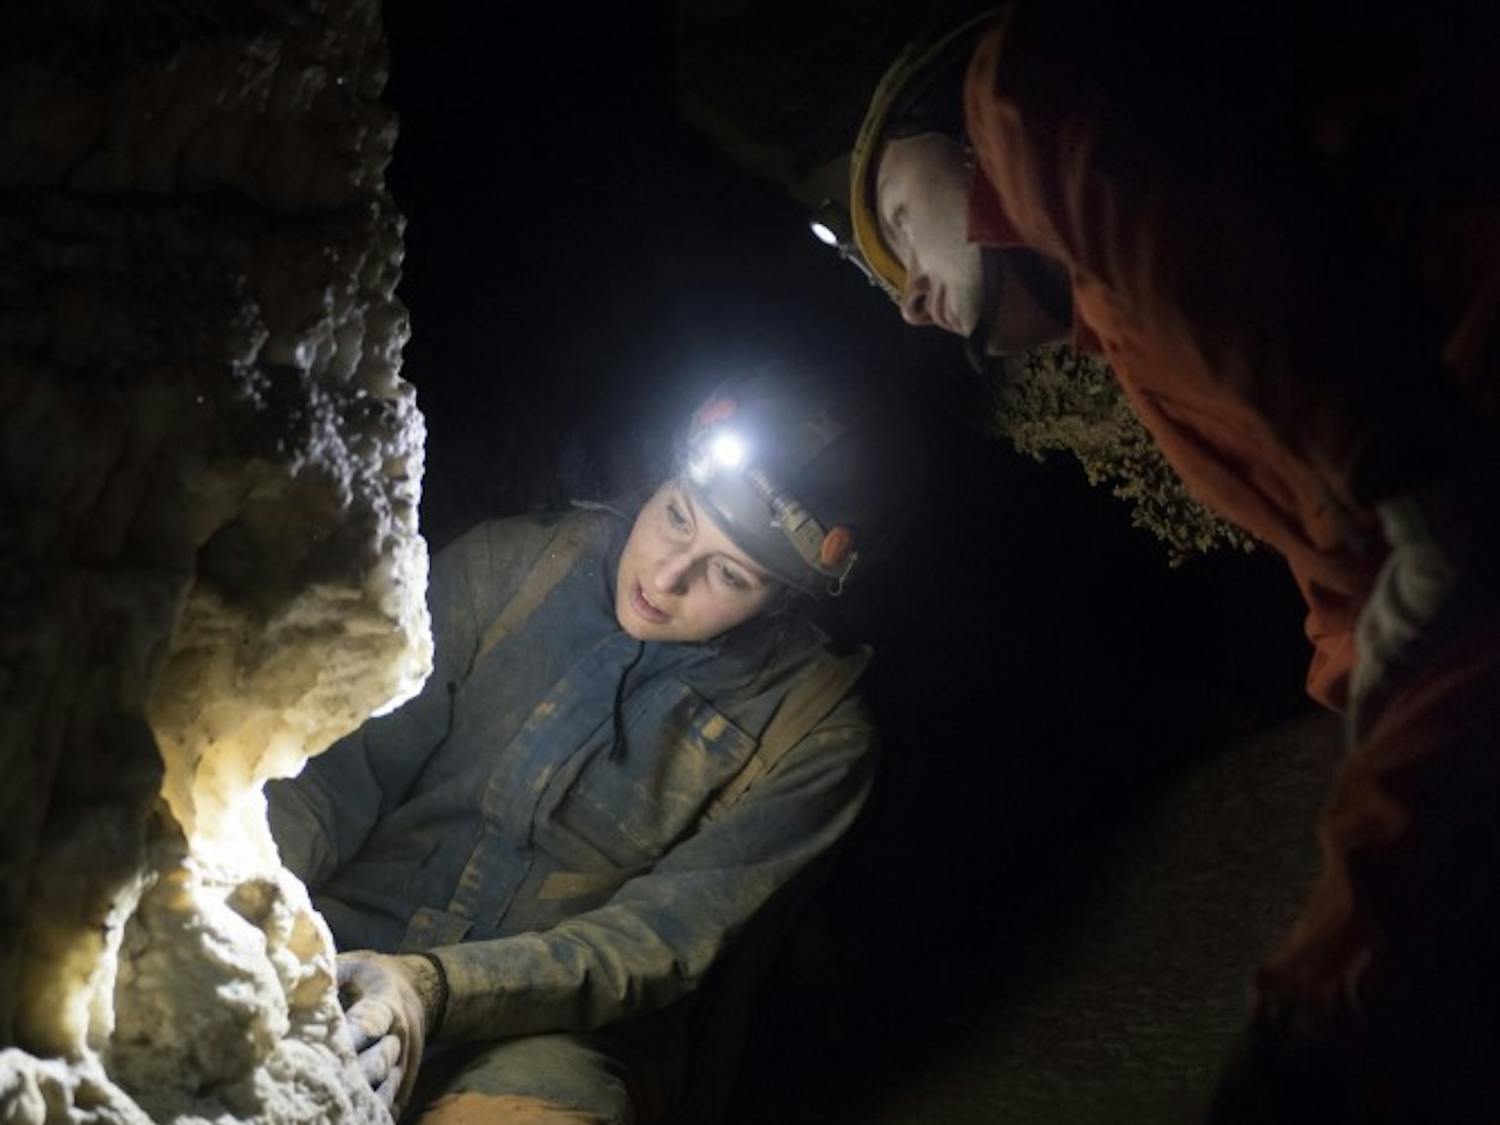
1444 560
1406 606
390 1004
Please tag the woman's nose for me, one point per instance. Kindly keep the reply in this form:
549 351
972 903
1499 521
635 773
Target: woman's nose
915 298
671 572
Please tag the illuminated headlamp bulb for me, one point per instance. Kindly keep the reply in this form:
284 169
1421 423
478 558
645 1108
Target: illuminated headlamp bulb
728 450
715 452
830 224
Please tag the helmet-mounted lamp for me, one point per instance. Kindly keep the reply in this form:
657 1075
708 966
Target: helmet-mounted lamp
713 448
718 455
831 225
728 449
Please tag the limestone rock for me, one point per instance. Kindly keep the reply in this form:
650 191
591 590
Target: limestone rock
1056 399
209 475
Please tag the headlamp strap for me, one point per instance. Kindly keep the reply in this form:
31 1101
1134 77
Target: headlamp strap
830 553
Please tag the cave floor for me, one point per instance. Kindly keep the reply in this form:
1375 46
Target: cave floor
1116 1006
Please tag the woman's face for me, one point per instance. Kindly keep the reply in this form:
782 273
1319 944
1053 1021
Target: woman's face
922 197
681 578
922 193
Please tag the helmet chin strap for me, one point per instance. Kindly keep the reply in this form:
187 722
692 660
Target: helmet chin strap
1050 289
976 347
1051 295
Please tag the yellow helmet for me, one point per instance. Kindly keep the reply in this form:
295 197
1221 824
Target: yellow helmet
914 65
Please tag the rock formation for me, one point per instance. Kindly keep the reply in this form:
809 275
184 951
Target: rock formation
209 475
1056 399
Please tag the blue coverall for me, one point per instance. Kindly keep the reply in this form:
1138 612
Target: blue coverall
550 846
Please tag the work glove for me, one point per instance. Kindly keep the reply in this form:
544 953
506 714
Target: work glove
390 1005
1444 562
1406 606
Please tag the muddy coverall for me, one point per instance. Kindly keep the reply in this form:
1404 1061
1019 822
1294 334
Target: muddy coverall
551 848
1282 225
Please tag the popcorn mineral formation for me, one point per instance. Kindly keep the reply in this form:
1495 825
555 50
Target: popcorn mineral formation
209 475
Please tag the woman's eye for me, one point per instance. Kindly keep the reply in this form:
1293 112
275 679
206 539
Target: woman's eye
899 237
676 518
732 578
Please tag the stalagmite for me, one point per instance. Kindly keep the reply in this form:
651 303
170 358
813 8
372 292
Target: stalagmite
209 476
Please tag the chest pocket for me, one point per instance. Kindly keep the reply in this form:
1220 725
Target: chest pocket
679 753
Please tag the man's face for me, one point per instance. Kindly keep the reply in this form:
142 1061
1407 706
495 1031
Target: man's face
922 199
681 578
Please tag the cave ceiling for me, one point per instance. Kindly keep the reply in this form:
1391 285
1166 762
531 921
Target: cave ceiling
780 86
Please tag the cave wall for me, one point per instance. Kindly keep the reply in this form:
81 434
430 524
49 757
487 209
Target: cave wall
209 474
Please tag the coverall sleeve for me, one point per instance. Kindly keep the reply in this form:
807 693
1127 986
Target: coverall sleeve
320 818
657 937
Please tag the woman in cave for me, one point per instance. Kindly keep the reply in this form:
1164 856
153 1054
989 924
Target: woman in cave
636 752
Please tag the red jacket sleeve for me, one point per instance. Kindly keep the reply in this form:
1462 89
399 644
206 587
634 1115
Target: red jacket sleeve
1270 383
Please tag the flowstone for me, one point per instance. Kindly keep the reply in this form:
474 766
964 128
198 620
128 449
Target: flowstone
1056 399
209 476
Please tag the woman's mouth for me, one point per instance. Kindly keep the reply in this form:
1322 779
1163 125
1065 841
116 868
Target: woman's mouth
945 316
643 607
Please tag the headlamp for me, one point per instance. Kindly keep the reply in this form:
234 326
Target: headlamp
718 449
721 462
728 449
831 225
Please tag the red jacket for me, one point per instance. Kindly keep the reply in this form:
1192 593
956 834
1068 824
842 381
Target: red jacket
1217 329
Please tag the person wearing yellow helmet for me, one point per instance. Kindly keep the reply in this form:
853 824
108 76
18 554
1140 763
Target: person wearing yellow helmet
1280 224
925 227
